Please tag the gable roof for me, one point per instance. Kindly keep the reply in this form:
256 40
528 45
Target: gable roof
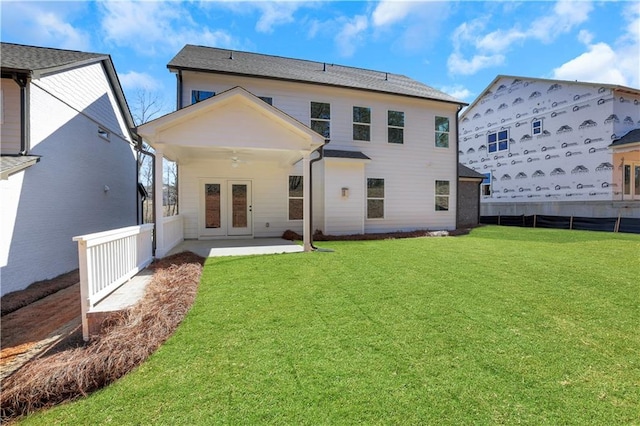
633 137
38 61
224 61
22 58
514 77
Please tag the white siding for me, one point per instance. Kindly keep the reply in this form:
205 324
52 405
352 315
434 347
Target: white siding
569 162
10 119
63 195
409 170
344 215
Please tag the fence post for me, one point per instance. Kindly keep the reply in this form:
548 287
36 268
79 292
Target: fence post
617 227
535 217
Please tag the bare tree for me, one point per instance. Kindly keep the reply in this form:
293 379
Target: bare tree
146 106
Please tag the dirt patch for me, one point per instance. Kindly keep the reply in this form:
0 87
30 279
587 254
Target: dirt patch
129 338
11 302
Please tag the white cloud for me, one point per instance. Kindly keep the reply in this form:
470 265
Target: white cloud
603 63
457 91
45 24
471 36
351 34
274 14
149 27
389 12
594 65
139 80
585 37
476 63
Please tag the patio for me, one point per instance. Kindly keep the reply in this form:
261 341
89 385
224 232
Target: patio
237 247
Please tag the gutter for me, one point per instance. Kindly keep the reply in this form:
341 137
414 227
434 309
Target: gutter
179 90
23 81
320 151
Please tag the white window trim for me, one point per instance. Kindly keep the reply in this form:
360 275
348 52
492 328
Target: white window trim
389 126
497 142
361 124
104 133
533 122
384 209
311 119
289 198
435 203
447 133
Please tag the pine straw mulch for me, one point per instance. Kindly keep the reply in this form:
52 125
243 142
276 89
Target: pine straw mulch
128 339
319 236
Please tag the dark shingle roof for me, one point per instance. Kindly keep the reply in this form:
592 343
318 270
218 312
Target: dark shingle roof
631 137
465 172
19 57
338 153
210 59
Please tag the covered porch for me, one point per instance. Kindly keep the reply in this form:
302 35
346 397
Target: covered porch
236 157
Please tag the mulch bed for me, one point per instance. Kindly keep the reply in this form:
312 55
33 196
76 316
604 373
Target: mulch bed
128 339
319 236
11 302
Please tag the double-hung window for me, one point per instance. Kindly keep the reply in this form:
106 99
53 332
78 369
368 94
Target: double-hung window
395 121
375 198
536 127
498 141
321 118
442 195
200 95
295 198
442 132
361 123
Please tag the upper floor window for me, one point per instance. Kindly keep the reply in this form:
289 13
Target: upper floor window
103 133
396 126
442 195
442 132
536 127
498 141
295 197
375 198
267 99
361 123
486 184
200 95
321 118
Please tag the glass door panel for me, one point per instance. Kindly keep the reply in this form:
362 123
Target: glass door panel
212 205
239 207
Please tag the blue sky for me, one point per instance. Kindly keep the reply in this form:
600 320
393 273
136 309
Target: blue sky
456 46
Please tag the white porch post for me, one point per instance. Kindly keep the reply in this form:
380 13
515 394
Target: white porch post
306 202
158 197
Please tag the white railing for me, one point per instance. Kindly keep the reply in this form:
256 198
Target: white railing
172 234
109 259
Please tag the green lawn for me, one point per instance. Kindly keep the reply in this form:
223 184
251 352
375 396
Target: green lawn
502 326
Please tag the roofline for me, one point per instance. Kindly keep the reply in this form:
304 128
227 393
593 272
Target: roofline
500 76
179 68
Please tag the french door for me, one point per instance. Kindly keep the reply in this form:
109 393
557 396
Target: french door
225 208
631 181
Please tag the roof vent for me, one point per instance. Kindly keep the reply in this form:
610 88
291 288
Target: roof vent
386 76
231 54
324 67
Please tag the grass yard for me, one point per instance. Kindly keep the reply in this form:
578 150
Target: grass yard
502 326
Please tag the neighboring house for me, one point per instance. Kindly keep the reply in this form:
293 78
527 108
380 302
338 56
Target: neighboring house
249 128
544 146
626 160
68 164
468 196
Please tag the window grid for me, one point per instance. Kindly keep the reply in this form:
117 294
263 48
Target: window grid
296 192
321 118
375 198
498 141
536 127
442 195
395 122
442 132
200 95
361 124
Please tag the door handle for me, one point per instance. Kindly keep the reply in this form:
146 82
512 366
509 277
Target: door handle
250 208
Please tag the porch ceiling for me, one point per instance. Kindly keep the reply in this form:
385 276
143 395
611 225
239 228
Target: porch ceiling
186 154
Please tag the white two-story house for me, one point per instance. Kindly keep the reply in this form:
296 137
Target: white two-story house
266 144
68 163
547 147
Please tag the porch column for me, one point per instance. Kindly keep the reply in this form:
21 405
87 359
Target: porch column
306 203
158 201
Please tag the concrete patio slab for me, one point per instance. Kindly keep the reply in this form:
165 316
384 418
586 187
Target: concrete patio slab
239 247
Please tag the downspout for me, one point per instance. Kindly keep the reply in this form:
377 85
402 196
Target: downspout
457 165
310 230
178 90
153 191
22 82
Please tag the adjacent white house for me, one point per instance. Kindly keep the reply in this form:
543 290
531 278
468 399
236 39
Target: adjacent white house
547 147
254 135
68 164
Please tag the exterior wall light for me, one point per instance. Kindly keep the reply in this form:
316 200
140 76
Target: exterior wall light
345 192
